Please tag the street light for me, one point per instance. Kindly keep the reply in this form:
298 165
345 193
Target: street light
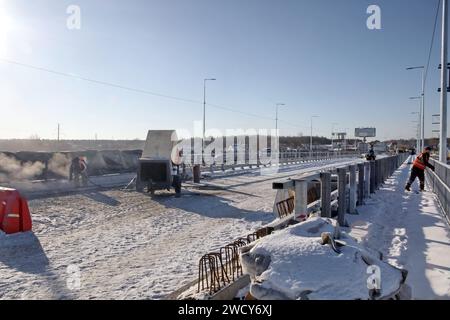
204 114
332 133
420 144
417 127
276 116
310 138
422 106
345 138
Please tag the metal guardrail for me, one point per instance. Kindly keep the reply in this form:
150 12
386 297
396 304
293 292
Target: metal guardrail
222 268
354 183
439 181
287 157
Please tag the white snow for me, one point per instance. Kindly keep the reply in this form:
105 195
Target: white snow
302 267
127 245
411 231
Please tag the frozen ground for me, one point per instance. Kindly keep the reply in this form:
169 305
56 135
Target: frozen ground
127 245
411 232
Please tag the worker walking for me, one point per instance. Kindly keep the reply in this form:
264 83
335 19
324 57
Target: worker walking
418 169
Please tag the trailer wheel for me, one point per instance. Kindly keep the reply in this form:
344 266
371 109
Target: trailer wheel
150 188
177 184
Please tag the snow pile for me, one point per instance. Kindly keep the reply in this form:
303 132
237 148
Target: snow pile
304 262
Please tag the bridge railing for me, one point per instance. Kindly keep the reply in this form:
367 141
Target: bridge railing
342 188
439 181
241 160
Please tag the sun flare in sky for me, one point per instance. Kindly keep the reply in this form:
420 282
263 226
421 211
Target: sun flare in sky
6 26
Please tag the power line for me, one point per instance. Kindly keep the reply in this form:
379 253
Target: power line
432 39
104 83
114 85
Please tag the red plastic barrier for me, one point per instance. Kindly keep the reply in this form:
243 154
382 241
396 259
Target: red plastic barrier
14 213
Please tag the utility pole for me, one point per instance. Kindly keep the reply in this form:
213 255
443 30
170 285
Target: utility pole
276 116
443 120
204 116
58 132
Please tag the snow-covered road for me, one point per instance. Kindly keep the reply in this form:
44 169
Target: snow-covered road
411 232
126 245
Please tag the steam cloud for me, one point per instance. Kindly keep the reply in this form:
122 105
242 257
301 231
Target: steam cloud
12 169
60 164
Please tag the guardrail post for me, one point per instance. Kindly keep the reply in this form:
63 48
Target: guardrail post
353 190
342 183
360 184
366 179
196 173
372 176
325 194
301 198
377 173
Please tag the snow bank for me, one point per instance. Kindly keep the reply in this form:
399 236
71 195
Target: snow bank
294 264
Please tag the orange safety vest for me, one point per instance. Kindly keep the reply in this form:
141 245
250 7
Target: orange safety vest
419 163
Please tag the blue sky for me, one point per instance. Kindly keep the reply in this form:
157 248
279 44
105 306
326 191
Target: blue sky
317 57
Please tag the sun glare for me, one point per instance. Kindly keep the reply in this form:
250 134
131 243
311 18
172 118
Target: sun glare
6 24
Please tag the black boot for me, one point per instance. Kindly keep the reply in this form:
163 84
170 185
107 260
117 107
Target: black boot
408 187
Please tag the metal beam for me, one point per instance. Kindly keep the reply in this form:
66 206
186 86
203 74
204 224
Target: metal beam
325 194
342 183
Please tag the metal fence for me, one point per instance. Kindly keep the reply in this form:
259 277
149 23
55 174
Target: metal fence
439 181
341 188
242 161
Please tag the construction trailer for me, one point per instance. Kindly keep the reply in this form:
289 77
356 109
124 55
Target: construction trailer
158 168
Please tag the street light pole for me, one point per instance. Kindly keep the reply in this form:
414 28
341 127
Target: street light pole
276 116
332 133
420 144
417 130
310 138
204 114
345 138
443 122
422 107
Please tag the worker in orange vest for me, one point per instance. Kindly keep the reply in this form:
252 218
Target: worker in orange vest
418 169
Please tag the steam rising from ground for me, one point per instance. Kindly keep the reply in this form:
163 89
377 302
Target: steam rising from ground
12 169
59 164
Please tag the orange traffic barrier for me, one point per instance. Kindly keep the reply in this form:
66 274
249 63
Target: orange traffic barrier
14 213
